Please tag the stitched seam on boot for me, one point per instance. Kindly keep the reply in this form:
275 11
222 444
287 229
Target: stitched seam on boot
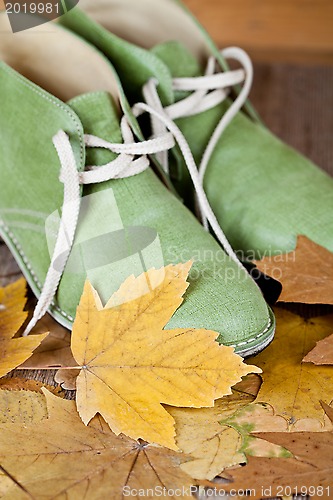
18 247
48 98
33 275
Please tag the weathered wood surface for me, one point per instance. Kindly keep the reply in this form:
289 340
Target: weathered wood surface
284 30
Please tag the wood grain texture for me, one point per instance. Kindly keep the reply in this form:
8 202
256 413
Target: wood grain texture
296 103
285 30
9 270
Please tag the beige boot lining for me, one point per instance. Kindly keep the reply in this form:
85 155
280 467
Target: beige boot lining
56 60
148 22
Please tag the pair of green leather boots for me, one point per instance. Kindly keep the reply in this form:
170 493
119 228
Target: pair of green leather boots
79 198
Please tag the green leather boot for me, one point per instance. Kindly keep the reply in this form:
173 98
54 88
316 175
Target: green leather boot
78 198
263 193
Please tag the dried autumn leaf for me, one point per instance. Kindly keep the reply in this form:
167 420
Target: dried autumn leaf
273 476
24 407
261 417
312 425
130 365
255 418
250 384
22 384
294 388
67 378
311 471
322 354
14 351
55 350
328 410
222 434
306 273
200 435
63 456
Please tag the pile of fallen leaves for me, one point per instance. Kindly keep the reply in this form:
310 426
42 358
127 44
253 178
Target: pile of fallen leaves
161 412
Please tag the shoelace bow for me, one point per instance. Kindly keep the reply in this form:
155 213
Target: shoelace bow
208 91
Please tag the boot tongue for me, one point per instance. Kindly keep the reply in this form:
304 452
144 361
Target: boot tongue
180 62
99 116
198 128
178 58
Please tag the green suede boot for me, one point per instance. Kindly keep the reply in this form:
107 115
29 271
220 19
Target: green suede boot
263 193
60 114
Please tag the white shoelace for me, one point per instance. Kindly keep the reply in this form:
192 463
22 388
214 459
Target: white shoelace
208 91
125 165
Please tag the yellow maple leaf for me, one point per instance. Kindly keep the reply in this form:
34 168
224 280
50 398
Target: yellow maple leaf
130 365
294 388
62 458
14 351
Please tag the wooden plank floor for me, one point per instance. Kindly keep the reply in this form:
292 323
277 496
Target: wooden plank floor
284 30
296 103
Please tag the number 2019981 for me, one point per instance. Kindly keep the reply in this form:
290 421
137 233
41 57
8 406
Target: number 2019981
32 8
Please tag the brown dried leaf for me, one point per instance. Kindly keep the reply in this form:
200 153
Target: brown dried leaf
322 354
18 384
312 467
63 456
55 350
249 384
328 410
67 378
306 273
